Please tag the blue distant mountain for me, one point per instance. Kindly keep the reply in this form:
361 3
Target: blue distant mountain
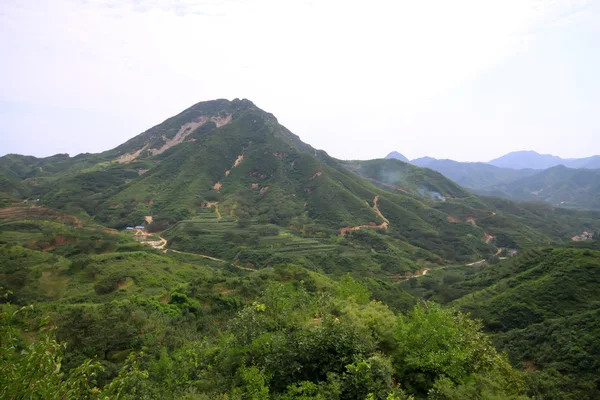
397 156
534 160
525 176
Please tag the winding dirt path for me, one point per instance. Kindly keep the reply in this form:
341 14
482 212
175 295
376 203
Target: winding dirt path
195 254
210 204
372 225
156 244
376 208
482 261
162 243
488 238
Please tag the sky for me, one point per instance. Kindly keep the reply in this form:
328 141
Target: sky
468 80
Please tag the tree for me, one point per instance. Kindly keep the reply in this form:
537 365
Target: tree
112 327
348 288
33 369
436 343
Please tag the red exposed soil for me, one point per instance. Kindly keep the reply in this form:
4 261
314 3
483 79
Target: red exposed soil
452 219
488 238
238 160
315 175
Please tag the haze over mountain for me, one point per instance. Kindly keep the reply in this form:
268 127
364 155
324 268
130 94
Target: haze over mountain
526 176
533 160
397 156
515 160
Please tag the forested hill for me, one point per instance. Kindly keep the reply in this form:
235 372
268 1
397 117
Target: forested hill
257 267
233 161
540 307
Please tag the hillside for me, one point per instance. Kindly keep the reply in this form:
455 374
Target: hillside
560 186
228 172
266 269
197 319
540 307
544 308
191 323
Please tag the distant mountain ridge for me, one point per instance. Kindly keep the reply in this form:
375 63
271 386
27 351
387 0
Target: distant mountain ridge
527 159
534 160
397 156
526 176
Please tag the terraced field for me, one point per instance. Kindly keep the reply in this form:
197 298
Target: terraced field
227 239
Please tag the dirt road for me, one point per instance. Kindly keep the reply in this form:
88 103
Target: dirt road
371 225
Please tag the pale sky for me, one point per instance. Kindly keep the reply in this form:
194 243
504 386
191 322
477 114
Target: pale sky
467 80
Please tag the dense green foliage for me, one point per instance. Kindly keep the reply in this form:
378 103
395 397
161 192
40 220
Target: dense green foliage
541 307
274 271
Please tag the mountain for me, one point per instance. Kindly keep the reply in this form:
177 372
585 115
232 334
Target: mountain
533 160
397 156
526 159
253 264
560 186
222 168
574 187
475 175
589 162
423 161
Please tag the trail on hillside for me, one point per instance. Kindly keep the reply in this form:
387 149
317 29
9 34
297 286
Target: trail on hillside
418 273
371 225
482 261
156 244
376 208
162 243
195 254
209 204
